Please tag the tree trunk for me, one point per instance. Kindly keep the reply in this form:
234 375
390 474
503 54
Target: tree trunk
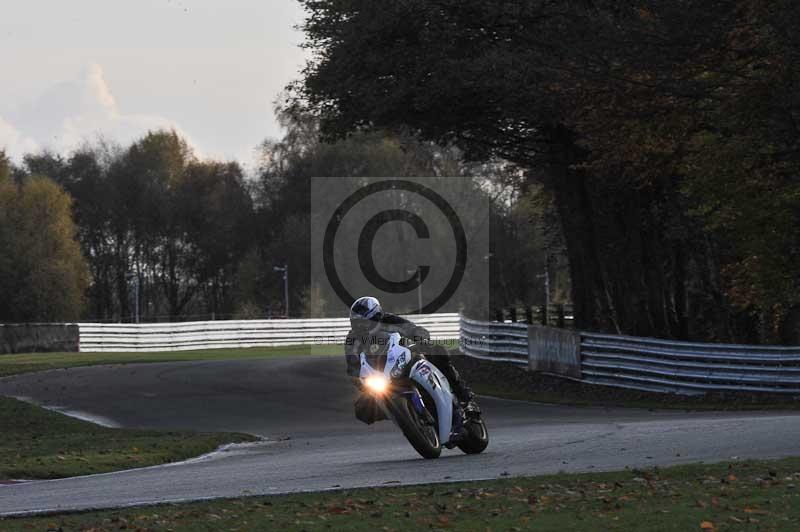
591 300
790 327
631 248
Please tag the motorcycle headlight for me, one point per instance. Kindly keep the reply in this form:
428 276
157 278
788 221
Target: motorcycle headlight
376 383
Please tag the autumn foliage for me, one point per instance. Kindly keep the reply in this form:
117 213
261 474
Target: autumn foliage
43 276
665 131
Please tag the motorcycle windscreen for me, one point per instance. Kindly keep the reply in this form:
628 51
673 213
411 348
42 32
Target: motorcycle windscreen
376 349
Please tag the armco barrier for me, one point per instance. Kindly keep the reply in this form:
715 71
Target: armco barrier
505 342
237 333
648 364
687 367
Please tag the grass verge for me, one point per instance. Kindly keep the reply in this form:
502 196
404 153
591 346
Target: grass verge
752 495
36 443
501 379
28 362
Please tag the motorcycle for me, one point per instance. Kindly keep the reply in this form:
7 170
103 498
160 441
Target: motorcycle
414 394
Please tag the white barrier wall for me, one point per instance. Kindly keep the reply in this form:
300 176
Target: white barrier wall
186 336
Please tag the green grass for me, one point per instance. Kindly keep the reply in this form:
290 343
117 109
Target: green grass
37 443
512 382
753 495
677 403
28 362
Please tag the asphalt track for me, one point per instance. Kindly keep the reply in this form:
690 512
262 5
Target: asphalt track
303 406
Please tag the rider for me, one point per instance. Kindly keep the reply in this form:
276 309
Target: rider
368 318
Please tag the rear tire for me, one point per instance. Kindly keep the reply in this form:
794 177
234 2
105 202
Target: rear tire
423 437
477 437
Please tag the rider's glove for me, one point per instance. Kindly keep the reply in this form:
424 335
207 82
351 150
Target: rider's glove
357 383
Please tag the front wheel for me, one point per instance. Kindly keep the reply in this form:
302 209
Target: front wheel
420 434
477 438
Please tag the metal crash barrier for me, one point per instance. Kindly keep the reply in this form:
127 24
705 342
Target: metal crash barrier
648 364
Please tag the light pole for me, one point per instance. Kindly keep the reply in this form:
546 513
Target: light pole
419 289
285 270
418 271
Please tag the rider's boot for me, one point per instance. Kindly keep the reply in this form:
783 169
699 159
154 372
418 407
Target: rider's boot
462 392
441 359
470 406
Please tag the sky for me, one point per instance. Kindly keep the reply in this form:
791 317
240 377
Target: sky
73 71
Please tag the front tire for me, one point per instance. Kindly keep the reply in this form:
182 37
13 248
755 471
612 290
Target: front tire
477 437
422 436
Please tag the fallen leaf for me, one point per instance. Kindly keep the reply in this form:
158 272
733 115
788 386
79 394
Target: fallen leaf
707 525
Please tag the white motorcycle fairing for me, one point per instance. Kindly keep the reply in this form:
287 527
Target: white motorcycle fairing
405 403
423 373
435 383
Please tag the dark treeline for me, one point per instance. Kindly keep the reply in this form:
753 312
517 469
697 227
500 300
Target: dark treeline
195 238
524 232
665 132
153 214
648 153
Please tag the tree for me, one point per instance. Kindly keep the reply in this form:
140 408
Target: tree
284 191
43 276
154 211
615 109
710 124
5 167
183 224
215 210
85 176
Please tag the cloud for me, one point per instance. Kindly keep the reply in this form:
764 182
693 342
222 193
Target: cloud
13 142
69 113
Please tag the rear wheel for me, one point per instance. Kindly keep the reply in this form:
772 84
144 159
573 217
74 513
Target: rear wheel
419 431
477 438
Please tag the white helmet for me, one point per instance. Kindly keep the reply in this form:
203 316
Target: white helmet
365 313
